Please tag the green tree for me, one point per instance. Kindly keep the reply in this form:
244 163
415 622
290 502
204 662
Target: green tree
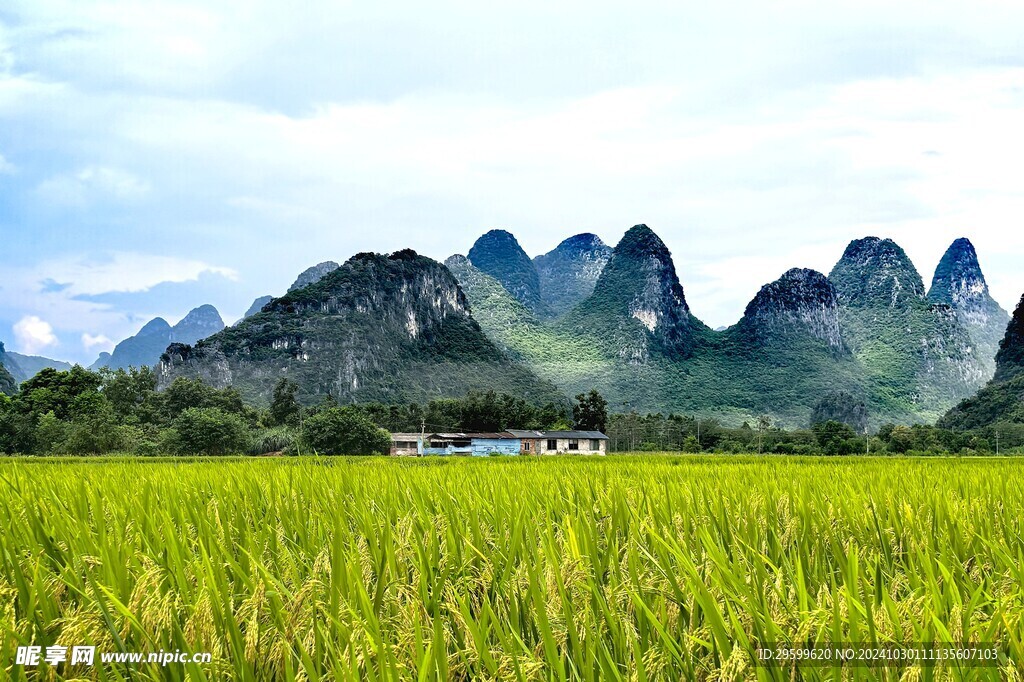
835 438
590 413
49 433
901 439
53 391
284 407
344 431
764 422
210 431
184 393
131 392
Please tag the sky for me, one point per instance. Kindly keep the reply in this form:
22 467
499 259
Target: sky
158 156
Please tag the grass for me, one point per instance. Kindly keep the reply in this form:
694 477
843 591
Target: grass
632 568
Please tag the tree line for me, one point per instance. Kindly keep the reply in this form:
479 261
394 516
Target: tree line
80 412
634 432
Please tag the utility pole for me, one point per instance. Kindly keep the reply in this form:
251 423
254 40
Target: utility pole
997 443
423 434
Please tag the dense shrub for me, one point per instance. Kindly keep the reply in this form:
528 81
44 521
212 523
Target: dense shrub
210 431
344 431
278 439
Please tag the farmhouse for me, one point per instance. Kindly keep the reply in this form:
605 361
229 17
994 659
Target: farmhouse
405 443
561 442
511 442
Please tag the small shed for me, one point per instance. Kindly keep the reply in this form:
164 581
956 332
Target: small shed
406 444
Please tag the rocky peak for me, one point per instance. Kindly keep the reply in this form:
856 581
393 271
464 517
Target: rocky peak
569 272
378 328
1010 359
156 326
313 274
198 324
418 290
876 273
639 283
960 284
498 254
958 279
801 301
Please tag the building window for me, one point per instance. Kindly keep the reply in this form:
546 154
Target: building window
552 444
526 446
574 444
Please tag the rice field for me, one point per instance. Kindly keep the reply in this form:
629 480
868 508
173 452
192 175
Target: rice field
619 568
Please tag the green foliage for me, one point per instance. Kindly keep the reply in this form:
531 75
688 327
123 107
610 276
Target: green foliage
184 394
590 412
835 438
344 431
999 402
914 353
639 269
1010 359
131 393
276 440
284 407
210 431
55 392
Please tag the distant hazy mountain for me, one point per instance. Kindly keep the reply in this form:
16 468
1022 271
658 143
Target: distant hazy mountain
313 275
568 273
499 255
30 365
960 283
1002 400
257 305
145 348
387 328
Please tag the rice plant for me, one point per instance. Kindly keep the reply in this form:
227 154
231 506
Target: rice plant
619 568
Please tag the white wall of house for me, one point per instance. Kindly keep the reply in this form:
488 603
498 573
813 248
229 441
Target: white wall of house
584 446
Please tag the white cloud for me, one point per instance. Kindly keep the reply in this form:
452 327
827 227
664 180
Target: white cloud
83 293
6 167
122 272
751 138
93 182
34 334
98 343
